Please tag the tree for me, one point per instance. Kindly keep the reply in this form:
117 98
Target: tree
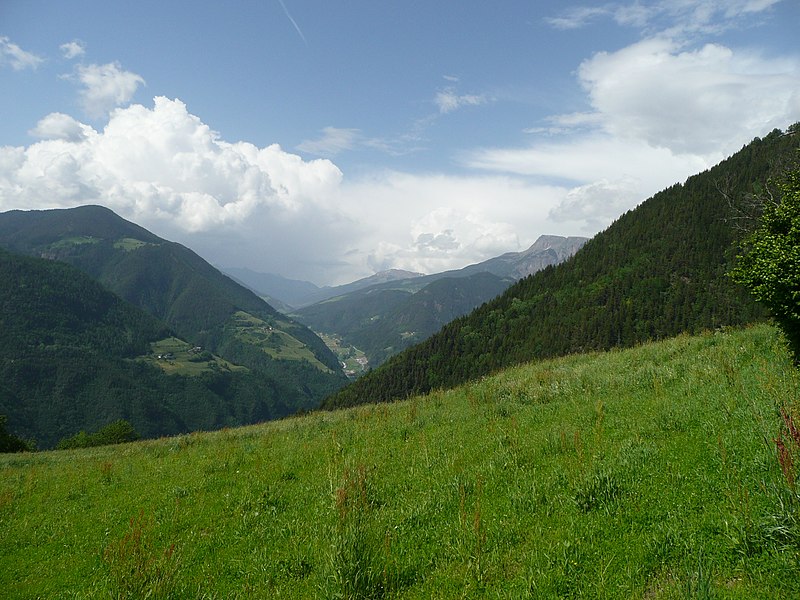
770 265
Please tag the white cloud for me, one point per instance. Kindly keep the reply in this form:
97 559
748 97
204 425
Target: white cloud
235 203
598 203
701 101
660 110
106 87
333 141
163 167
73 49
58 126
578 16
678 17
448 100
17 58
432 223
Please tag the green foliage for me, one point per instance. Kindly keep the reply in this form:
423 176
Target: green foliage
770 266
644 473
118 432
657 271
10 442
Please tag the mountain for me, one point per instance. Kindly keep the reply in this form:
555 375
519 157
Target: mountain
172 283
280 290
381 320
545 251
74 356
387 317
659 270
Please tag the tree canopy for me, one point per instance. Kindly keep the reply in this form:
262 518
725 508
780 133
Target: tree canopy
770 264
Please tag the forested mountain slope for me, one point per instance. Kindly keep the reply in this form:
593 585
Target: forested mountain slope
384 319
659 270
175 285
73 357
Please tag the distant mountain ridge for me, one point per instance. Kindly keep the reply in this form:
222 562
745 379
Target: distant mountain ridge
546 250
175 285
385 318
657 271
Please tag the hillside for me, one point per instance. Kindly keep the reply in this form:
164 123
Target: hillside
382 320
645 473
659 270
73 356
385 318
172 283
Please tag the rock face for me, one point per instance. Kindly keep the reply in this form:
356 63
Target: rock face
545 251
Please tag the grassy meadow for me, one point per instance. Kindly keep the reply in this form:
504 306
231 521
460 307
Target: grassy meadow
650 473
183 359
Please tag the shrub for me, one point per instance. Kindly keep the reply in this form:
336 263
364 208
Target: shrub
118 432
769 266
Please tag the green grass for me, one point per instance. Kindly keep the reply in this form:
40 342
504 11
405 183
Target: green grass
130 244
272 339
75 241
181 358
648 473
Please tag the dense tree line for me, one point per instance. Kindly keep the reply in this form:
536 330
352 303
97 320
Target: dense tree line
658 270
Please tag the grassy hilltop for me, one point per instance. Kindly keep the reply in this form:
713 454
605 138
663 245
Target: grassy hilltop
645 473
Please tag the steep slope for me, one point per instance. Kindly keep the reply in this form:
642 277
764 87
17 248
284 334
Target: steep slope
660 269
175 285
281 290
67 350
386 318
547 250
382 321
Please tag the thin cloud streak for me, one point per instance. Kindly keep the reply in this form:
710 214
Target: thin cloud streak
294 23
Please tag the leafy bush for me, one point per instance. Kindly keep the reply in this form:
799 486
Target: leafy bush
10 442
770 266
117 432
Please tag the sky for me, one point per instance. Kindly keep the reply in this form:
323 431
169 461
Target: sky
327 141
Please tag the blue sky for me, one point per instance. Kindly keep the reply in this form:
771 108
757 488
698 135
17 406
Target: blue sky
329 140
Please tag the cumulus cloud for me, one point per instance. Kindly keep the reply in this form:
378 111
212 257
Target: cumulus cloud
659 109
58 126
105 87
73 49
596 204
15 57
432 223
691 101
163 167
235 202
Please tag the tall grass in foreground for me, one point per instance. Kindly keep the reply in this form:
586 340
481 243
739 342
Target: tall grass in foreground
665 471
